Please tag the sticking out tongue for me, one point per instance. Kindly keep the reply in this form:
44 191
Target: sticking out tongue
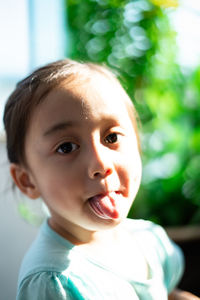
105 206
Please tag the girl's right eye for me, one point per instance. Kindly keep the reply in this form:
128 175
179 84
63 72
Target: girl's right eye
67 148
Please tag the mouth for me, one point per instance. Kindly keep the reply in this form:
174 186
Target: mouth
106 206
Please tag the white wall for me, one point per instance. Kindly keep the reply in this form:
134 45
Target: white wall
32 33
15 234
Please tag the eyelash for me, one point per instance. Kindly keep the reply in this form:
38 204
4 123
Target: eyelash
69 147
110 136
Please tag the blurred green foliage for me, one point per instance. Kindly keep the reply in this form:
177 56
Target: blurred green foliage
135 39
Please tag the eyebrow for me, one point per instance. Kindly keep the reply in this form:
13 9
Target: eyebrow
58 127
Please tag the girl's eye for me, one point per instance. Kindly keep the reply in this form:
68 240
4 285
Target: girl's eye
67 148
111 138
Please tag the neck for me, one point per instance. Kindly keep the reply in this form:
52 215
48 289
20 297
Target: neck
79 236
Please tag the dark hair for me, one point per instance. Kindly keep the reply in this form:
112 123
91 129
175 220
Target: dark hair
30 91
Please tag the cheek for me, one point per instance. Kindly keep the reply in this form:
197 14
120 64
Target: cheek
136 167
57 185
59 180
59 194
132 170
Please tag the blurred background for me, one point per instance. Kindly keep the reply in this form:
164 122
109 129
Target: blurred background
153 46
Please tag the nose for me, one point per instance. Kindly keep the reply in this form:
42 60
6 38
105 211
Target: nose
100 164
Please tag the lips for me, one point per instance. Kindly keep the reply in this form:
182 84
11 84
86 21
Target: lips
106 206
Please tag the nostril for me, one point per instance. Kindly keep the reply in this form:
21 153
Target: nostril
96 174
108 172
103 173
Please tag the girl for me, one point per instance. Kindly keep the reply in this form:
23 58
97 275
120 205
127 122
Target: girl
72 139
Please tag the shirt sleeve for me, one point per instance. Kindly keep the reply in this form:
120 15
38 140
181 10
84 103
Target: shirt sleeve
46 286
171 257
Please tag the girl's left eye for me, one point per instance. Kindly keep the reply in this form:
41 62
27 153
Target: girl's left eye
111 138
67 148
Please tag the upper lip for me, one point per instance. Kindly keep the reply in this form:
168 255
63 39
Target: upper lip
104 193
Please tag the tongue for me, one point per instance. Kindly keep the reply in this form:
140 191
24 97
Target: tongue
105 206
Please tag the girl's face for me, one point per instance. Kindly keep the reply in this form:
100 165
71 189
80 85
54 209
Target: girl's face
83 157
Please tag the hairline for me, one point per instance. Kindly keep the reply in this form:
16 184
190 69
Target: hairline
39 85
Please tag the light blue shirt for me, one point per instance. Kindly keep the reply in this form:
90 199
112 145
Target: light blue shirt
55 269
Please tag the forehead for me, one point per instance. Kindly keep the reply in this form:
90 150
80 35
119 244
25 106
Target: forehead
95 98
90 93
101 93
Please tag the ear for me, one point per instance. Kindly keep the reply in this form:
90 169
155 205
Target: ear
24 181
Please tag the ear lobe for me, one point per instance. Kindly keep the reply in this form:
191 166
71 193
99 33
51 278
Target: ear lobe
24 181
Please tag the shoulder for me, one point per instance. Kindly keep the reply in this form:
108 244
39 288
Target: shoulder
148 230
139 226
45 285
156 244
153 235
48 253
